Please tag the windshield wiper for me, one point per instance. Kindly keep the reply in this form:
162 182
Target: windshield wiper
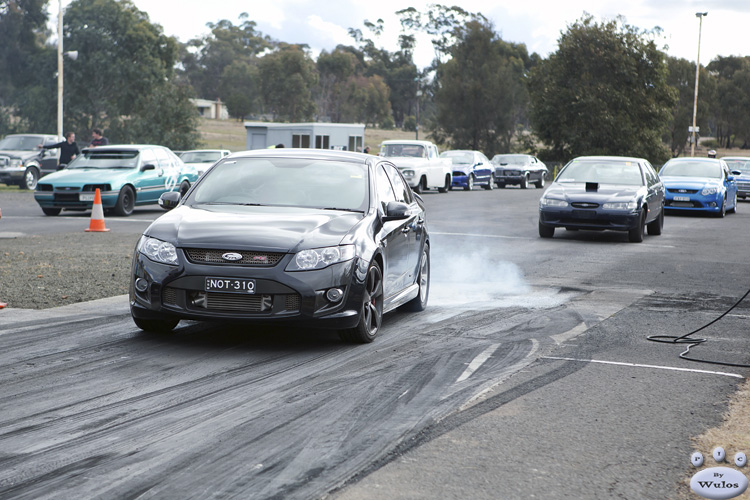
343 209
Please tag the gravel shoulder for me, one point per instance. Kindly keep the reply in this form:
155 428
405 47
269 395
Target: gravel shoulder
39 272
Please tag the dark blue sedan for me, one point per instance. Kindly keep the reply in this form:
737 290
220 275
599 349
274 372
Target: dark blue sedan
699 185
604 193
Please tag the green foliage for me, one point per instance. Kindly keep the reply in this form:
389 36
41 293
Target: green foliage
287 78
604 91
410 123
481 94
387 123
239 86
732 101
163 116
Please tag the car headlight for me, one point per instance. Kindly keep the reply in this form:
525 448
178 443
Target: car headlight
319 258
158 250
15 162
709 190
620 205
552 202
409 174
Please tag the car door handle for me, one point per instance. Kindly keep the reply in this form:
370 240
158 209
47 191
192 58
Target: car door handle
406 230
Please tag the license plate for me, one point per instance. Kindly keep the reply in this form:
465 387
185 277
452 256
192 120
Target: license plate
86 197
682 198
230 285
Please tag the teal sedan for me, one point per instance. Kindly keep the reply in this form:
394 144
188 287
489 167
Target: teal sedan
126 175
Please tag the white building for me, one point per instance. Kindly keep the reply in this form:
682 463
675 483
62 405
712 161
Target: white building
215 110
341 136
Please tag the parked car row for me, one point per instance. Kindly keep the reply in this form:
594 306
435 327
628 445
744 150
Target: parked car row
626 194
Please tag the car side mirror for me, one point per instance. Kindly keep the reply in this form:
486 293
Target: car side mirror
736 172
169 200
148 166
396 210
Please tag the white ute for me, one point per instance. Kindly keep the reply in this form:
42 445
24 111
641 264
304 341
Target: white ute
420 163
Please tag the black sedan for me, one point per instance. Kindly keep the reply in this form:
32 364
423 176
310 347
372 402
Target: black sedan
329 238
604 192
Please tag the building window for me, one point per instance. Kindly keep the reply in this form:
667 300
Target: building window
356 142
300 141
322 141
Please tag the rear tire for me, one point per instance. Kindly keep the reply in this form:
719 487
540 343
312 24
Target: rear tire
525 182
371 310
447 186
540 182
419 303
156 325
490 185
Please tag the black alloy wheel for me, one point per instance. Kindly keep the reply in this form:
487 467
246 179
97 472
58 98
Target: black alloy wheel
371 310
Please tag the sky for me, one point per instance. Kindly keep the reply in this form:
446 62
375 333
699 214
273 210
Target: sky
322 25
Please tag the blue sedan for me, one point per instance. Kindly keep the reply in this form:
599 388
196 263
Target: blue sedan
127 176
470 168
699 185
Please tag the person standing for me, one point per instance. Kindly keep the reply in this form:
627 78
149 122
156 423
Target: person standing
97 139
68 149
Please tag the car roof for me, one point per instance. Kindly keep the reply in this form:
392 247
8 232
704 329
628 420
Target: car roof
407 141
304 153
205 151
746 158
611 158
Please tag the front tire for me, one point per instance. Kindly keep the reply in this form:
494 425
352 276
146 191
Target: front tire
655 226
419 303
52 211
635 235
546 231
723 210
371 310
30 179
125 202
421 186
156 325
469 183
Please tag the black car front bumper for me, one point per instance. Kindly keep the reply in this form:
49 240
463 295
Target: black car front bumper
594 219
279 295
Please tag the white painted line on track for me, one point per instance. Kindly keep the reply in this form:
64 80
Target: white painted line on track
483 235
638 365
477 362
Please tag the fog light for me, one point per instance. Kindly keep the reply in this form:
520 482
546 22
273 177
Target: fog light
141 285
334 294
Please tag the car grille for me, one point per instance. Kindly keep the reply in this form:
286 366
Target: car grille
584 204
218 301
511 172
745 186
213 257
682 191
683 204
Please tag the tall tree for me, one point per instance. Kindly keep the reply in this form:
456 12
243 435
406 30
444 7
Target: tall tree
287 77
481 94
604 91
732 99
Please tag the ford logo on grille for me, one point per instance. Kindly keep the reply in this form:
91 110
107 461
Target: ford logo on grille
232 256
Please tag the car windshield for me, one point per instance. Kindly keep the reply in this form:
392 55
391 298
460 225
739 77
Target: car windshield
602 172
97 158
200 156
739 164
412 150
459 157
292 182
21 143
509 159
691 169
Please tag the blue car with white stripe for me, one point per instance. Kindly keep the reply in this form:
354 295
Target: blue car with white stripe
126 176
699 185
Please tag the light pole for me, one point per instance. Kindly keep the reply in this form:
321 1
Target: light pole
700 16
73 54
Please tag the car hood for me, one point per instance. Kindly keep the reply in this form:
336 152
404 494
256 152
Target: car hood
271 229
22 154
690 182
407 162
577 191
78 176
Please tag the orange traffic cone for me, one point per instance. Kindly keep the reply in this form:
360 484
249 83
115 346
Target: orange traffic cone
97 214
